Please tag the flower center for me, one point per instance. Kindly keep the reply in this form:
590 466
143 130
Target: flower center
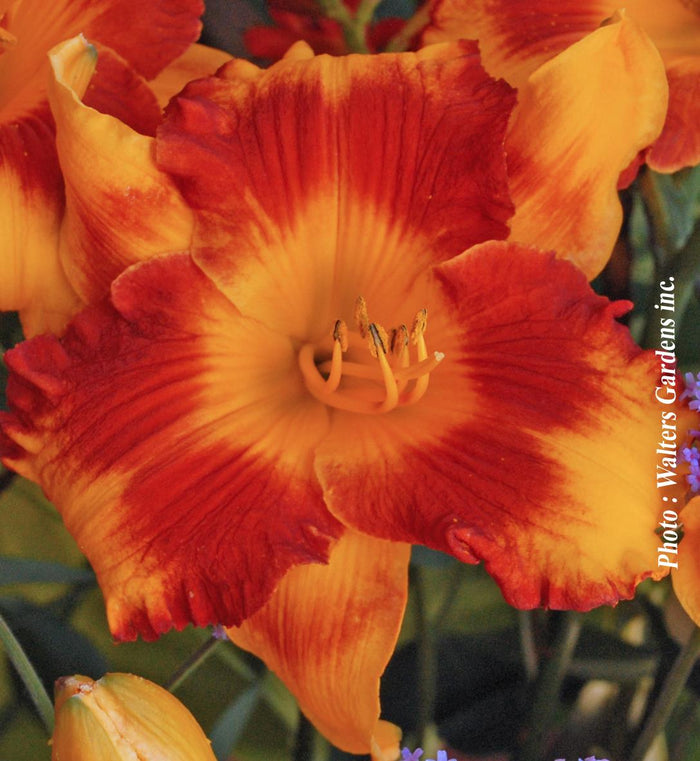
374 381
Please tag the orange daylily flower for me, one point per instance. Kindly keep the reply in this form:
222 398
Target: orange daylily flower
116 213
564 168
136 42
122 717
347 360
518 36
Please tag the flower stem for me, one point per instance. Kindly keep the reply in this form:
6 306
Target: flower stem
303 742
31 680
548 686
427 660
671 691
527 644
192 663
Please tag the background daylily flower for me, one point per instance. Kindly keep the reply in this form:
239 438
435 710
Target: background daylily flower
301 20
346 362
517 36
136 42
116 213
121 717
582 117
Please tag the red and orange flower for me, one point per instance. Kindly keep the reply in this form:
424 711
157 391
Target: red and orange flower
348 359
136 43
517 36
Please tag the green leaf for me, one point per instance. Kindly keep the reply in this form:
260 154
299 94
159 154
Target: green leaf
600 655
23 571
52 645
678 202
234 719
424 556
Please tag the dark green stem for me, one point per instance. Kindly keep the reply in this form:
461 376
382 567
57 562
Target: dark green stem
192 663
548 686
527 644
6 479
427 659
31 680
671 691
304 740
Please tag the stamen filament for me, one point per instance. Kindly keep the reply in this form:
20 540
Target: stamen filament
323 379
421 385
336 369
420 368
399 348
392 393
354 370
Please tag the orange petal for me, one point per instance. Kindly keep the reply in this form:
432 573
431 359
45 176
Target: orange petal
516 36
119 207
167 429
116 89
686 576
674 26
679 144
309 194
196 62
328 632
534 446
581 119
31 205
148 35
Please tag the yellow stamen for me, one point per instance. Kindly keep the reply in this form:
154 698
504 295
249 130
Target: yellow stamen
392 392
340 334
420 323
420 368
399 348
361 316
386 379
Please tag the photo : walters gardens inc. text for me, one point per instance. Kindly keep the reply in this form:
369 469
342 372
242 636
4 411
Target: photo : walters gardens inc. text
666 394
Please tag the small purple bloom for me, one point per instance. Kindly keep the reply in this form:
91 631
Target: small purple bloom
691 455
692 391
407 755
442 756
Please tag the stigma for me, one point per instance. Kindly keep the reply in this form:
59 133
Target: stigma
370 370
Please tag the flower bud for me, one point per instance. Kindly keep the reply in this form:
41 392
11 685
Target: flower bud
123 717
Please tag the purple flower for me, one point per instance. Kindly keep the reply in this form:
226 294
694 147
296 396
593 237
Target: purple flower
407 755
691 455
692 392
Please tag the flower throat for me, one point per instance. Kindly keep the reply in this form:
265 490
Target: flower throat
385 377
